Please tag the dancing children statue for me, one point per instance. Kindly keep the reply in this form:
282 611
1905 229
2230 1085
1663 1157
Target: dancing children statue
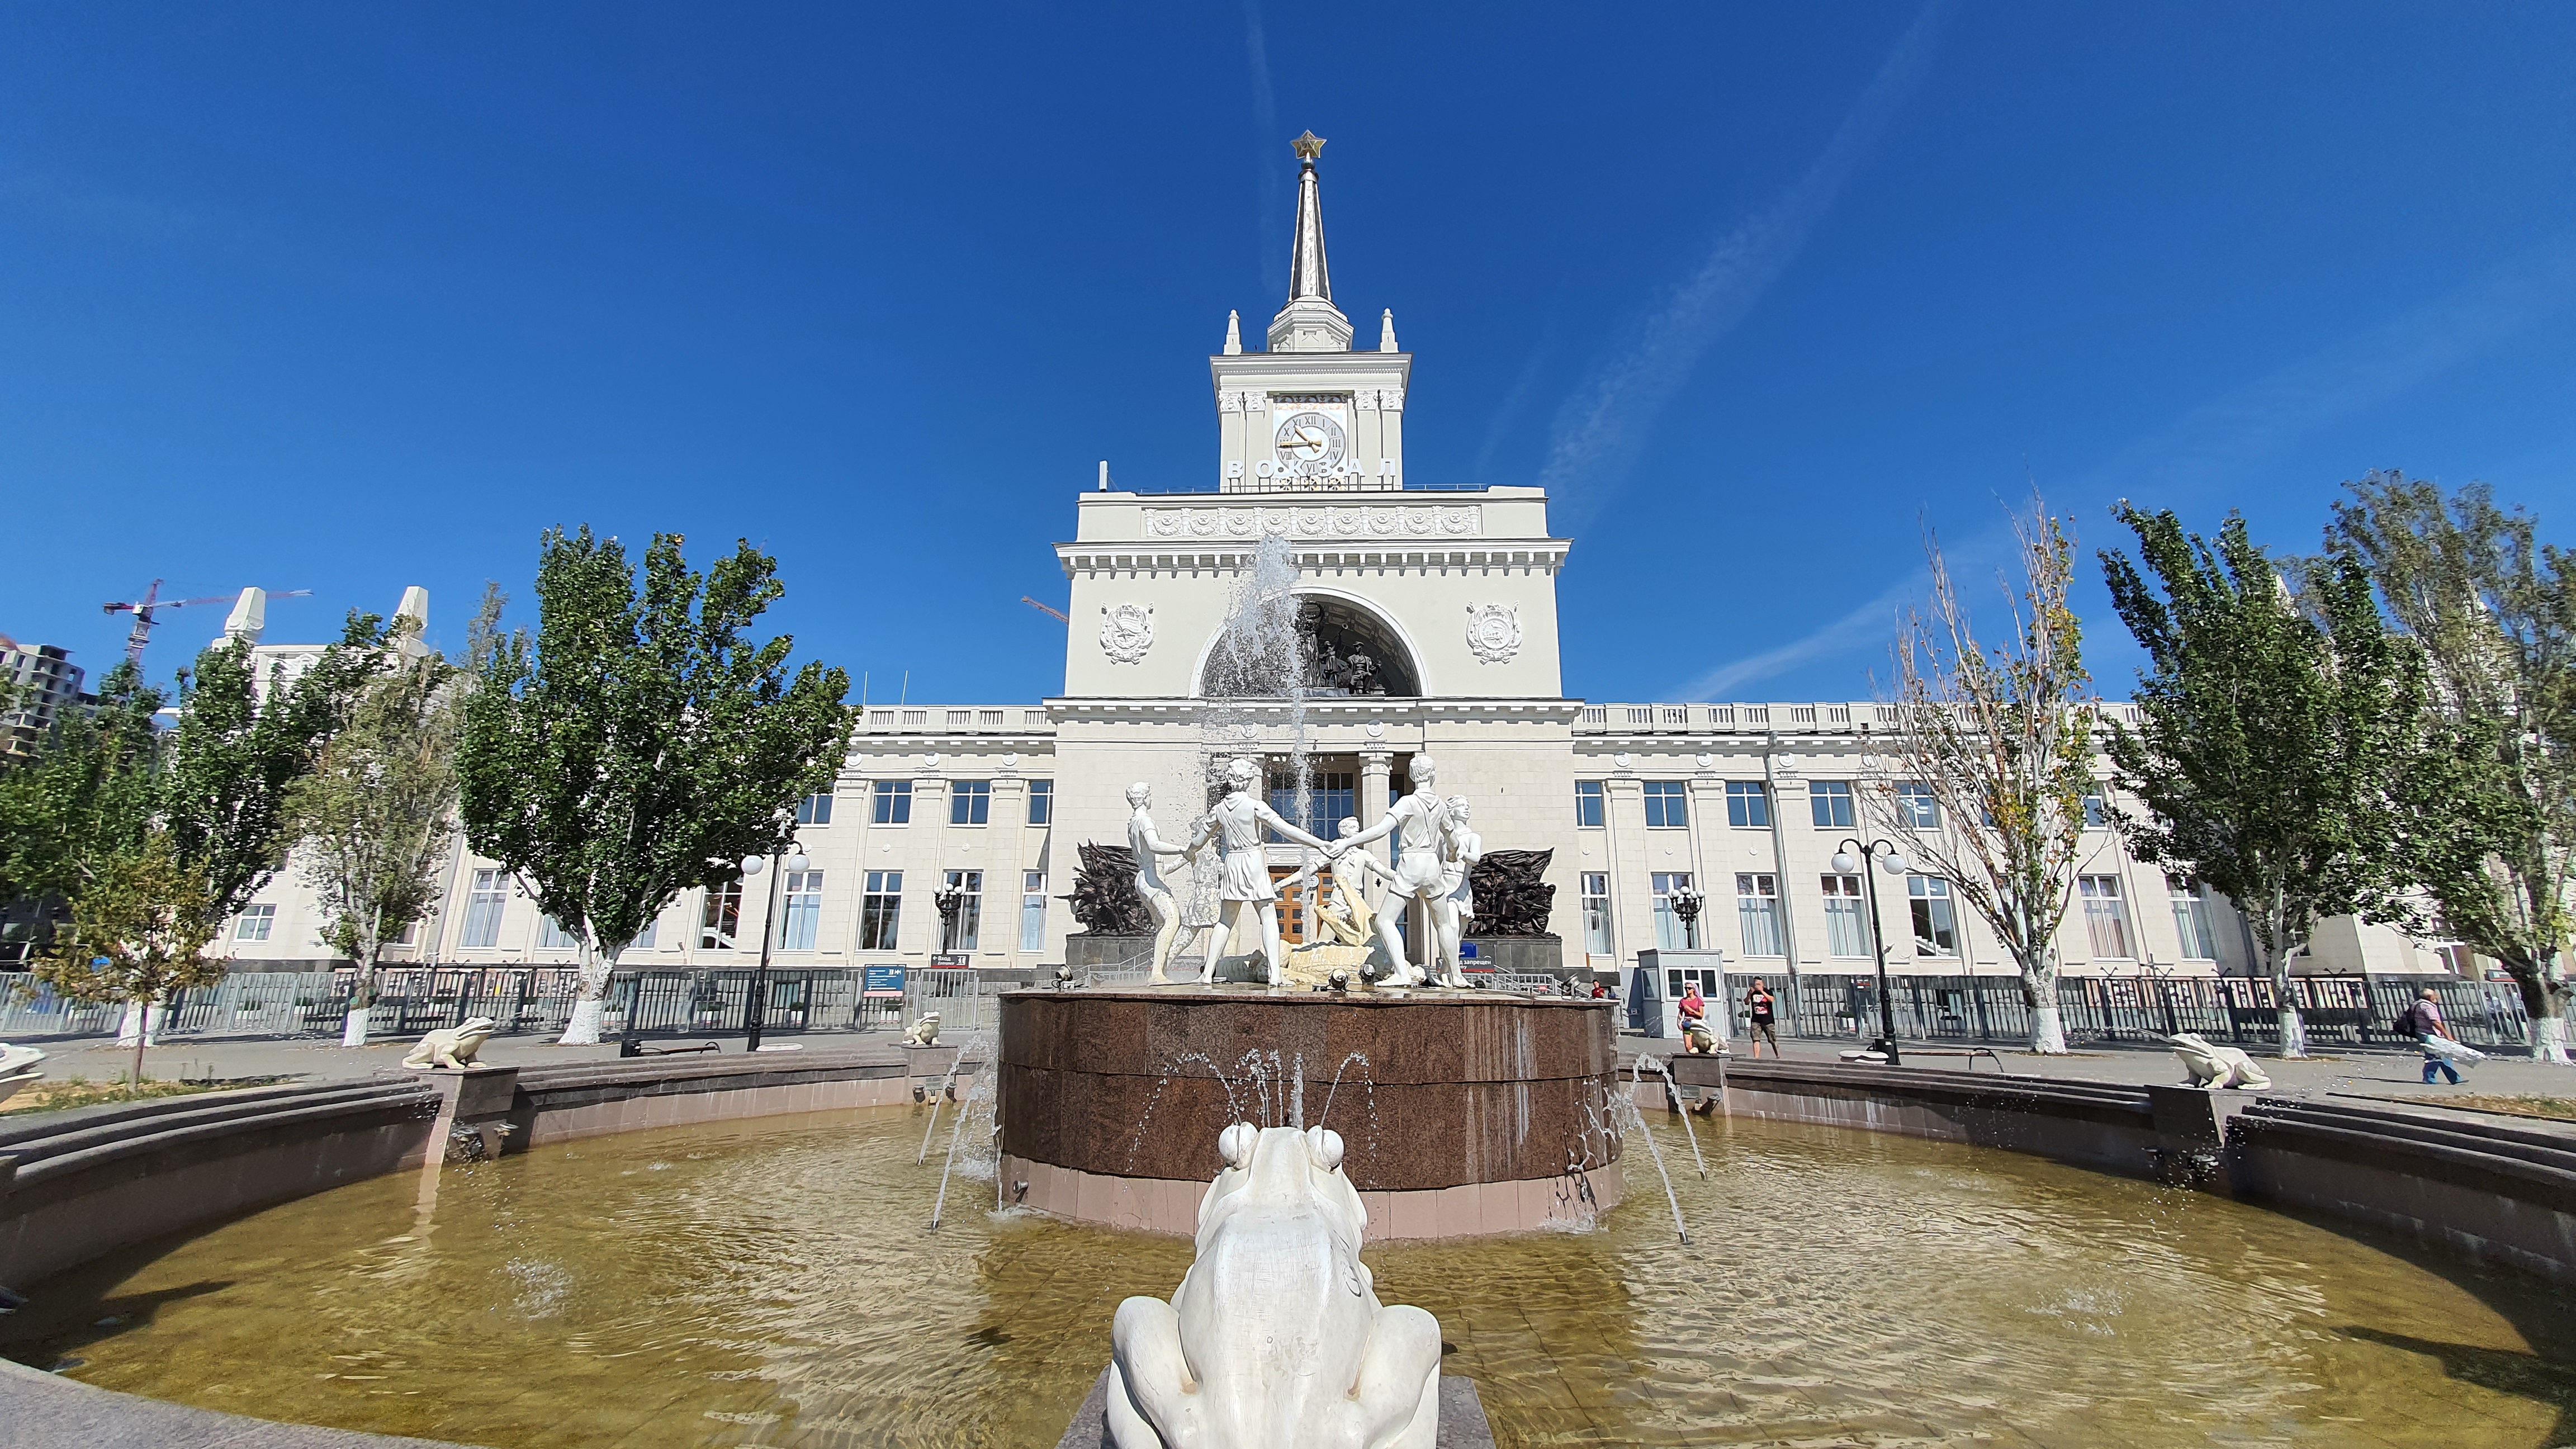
1149 877
1425 833
1347 913
1251 900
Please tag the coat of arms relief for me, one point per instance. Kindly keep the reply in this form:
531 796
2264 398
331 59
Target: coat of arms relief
1494 632
1126 632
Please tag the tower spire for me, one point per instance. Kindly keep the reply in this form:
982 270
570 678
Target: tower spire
1308 276
1310 322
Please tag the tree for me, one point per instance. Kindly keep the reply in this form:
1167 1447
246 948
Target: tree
2001 740
2492 828
89 795
639 745
376 816
2274 737
138 932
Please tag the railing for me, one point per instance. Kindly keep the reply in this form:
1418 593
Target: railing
1822 718
953 719
519 999
2335 1010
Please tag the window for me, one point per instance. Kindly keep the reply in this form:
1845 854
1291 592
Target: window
880 910
722 918
891 802
644 938
1916 809
1329 798
2191 921
815 809
1032 910
961 933
804 912
1667 804
483 910
2097 814
1757 910
1041 802
1596 912
2106 919
1587 802
1830 801
1672 933
408 936
1748 804
1936 918
1845 932
970 802
551 936
255 923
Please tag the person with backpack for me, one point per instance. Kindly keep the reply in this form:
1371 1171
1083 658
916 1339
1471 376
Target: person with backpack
2423 1021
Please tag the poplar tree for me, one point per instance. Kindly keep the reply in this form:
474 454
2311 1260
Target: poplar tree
2275 735
86 797
2002 739
2492 828
639 744
378 814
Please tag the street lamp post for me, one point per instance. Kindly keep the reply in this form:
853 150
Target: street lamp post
1884 855
756 1011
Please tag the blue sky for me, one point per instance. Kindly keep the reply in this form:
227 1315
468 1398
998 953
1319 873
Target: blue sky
352 297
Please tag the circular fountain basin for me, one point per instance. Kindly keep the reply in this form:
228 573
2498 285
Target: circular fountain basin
1461 1113
771 1283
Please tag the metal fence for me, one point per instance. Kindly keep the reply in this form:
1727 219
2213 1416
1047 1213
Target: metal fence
2336 1010
520 999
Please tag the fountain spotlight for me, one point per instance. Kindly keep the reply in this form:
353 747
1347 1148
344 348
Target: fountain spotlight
1063 978
1340 980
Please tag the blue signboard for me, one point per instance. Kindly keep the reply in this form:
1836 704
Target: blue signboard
882 981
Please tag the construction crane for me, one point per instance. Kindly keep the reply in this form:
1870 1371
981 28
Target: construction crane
1055 614
147 609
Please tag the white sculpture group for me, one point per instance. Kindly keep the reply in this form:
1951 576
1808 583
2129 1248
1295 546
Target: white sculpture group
1435 853
1275 1337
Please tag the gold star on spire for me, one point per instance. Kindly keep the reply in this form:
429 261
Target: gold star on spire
1309 146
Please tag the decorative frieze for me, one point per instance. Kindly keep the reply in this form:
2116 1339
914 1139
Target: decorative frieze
1322 521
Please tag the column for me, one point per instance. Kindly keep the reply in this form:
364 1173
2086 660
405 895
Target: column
925 852
1377 771
1632 887
1715 883
1007 821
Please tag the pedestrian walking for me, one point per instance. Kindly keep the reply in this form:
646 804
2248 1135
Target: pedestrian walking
1758 1008
2423 1021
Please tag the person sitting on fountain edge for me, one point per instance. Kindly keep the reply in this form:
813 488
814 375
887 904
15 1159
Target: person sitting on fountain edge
1693 1009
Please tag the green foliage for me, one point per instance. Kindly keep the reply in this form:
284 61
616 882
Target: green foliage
2002 737
2275 733
138 931
2492 834
376 815
239 749
88 795
640 744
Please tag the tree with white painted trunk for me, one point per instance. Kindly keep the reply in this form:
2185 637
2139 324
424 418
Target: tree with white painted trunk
2277 735
378 813
638 744
1997 741
2492 824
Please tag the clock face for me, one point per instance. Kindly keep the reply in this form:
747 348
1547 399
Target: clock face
1311 438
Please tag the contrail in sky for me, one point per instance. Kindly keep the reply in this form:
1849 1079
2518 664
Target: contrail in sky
1601 427
1273 247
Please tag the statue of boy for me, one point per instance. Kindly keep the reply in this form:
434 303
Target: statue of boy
1424 831
1251 900
1148 849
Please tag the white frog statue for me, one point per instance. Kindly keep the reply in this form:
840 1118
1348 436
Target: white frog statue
452 1047
2215 1066
925 1030
1276 1337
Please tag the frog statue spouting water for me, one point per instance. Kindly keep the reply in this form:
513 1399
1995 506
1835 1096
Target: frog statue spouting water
1275 1337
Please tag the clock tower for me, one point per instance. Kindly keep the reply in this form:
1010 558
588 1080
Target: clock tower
1310 415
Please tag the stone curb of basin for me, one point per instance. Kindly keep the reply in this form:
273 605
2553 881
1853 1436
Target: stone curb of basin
78 1184
2500 1191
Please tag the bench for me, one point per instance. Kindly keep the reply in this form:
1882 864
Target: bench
630 1047
1876 1058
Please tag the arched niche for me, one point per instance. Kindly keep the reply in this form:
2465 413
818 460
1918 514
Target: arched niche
1333 631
